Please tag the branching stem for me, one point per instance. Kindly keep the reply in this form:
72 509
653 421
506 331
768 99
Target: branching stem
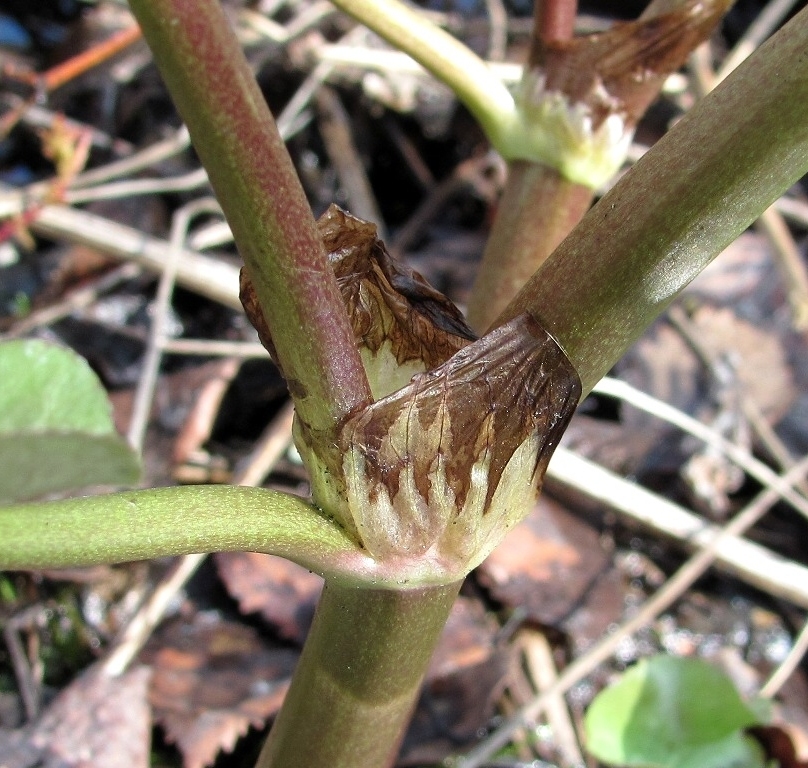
693 193
255 182
537 210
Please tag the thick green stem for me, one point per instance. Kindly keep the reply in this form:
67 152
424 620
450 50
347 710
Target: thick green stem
358 678
681 205
256 184
538 209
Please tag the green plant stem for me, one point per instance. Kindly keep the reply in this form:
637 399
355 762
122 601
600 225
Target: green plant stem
139 525
699 187
254 180
358 678
537 210
483 93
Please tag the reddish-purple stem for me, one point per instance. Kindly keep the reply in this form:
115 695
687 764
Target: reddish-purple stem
255 182
555 19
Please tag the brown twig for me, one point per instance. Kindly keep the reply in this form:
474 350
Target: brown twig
74 301
335 129
498 36
27 670
77 65
687 574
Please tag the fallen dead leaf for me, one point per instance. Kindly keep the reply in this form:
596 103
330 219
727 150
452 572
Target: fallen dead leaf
212 681
546 564
466 676
788 746
757 355
285 594
98 721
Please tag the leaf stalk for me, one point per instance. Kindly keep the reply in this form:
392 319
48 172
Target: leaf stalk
255 182
139 525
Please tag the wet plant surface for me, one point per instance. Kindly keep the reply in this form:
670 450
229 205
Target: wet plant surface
385 142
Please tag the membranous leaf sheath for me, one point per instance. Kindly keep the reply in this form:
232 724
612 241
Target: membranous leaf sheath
581 98
445 466
402 324
453 450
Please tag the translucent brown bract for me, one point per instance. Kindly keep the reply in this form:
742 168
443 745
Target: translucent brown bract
444 467
452 452
581 98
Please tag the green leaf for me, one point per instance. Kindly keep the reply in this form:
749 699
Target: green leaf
735 751
668 712
56 429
